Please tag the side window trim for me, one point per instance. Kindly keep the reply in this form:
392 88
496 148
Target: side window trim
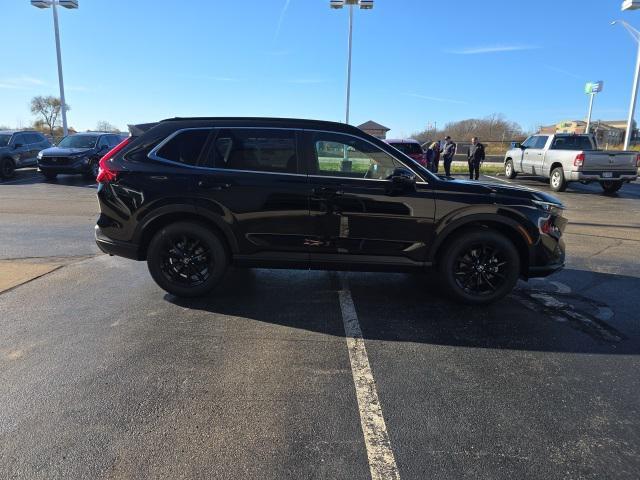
311 148
210 145
153 154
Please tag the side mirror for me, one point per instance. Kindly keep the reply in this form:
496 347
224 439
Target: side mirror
521 147
402 179
17 145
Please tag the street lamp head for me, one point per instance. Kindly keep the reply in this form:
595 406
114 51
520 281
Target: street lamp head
41 3
366 4
68 3
630 5
336 3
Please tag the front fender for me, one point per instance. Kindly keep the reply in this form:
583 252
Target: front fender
483 215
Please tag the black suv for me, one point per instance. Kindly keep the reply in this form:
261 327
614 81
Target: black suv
77 153
193 195
19 149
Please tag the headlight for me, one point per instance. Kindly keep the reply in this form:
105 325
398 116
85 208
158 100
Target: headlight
550 207
39 156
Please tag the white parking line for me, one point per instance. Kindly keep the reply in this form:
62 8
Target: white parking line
382 463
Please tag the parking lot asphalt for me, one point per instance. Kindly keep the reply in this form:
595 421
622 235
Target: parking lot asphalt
103 375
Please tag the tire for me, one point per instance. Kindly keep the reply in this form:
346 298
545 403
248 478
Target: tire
479 267
7 168
187 259
50 175
509 170
92 173
557 181
610 187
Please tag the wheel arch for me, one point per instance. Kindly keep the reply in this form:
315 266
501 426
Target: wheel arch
152 226
510 228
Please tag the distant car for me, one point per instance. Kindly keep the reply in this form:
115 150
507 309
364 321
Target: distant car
567 157
78 153
411 148
19 149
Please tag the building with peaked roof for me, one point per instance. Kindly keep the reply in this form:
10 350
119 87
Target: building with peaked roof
374 129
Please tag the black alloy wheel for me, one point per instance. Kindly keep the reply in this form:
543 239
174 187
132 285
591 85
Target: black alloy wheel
186 259
480 267
7 168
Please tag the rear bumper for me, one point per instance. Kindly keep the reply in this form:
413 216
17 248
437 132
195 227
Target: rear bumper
598 176
115 247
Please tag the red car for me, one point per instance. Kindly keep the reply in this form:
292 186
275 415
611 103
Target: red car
411 148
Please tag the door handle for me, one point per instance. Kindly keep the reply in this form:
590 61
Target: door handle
204 184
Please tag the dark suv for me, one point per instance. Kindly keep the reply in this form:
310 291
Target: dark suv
194 195
77 153
19 149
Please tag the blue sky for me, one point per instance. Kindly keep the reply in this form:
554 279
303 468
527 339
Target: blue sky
415 62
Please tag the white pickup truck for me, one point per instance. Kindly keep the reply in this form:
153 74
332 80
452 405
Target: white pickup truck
564 158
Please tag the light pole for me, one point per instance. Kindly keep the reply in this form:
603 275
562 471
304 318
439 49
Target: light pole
70 4
364 5
634 91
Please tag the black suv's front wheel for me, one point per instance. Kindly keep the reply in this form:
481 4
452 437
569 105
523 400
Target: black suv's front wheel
186 259
480 266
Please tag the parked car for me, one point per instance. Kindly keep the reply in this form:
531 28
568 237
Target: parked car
19 149
564 158
78 153
194 195
411 148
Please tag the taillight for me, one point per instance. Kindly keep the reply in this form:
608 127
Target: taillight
579 161
638 161
106 172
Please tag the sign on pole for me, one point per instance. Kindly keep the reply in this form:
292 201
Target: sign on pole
593 87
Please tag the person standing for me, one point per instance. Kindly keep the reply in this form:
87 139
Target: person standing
433 157
475 157
448 152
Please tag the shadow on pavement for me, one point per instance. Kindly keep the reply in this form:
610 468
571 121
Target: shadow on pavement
32 177
410 308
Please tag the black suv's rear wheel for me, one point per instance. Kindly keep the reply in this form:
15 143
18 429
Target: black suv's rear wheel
7 168
186 259
480 266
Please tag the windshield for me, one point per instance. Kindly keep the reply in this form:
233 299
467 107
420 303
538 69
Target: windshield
408 148
4 140
78 141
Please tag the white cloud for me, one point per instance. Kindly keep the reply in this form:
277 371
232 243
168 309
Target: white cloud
22 81
560 70
492 49
435 99
306 81
281 19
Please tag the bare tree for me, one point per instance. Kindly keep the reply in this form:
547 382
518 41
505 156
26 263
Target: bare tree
104 126
49 109
492 128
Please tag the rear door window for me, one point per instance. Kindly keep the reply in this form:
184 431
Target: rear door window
185 147
254 149
572 143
